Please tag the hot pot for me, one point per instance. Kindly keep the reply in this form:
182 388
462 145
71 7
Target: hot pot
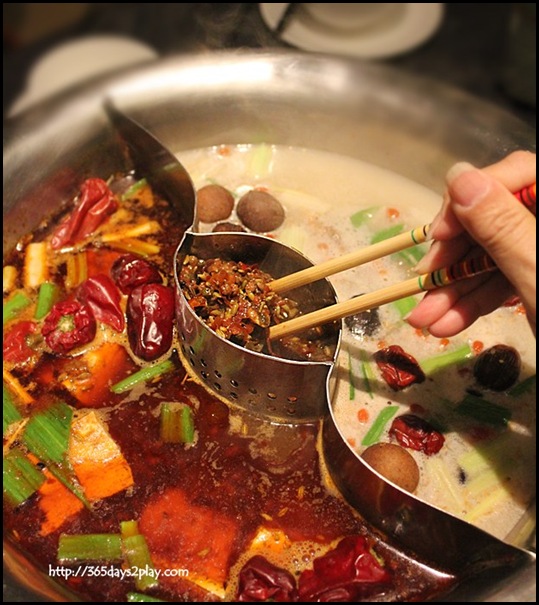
412 126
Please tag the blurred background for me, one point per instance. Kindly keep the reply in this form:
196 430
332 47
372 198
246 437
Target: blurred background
486 49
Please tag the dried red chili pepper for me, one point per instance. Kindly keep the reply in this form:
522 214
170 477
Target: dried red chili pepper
416 433
18 342
102 295
96 202
260 580
130 271
69 324
347 573
150 319
399 369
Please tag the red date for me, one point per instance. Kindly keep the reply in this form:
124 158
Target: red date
416 433
150 320
399 369
130 271
69 324
260 580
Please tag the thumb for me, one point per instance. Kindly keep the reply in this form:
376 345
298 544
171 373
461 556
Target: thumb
501 225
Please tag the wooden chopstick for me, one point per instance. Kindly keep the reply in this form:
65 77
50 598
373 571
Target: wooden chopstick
415 285
352 259
527 197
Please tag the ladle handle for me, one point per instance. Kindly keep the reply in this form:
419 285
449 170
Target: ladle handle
416 285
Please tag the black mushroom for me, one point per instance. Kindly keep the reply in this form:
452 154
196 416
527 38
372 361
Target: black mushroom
214 203
260 211
497 368
364 323
227 227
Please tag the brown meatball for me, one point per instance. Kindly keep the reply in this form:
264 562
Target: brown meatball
394 463
226 226
214 203
260 211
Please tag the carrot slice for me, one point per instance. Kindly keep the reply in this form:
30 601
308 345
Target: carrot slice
98 462
89 377
57 503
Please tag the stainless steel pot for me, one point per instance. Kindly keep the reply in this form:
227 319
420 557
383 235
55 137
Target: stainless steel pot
412 126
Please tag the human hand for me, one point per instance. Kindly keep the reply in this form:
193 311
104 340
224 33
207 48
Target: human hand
480 211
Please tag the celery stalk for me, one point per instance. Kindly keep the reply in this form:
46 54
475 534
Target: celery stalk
487 504
351 379
484 411
373 434
138 555
392 231
439 362
20 477
14 305
260 161
90 547
143 375
177 425
47 296
131 191
366 372
359 218
137 597
47 433
526 386
10 413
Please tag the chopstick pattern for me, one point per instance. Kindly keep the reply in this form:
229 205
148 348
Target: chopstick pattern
463 270
527 196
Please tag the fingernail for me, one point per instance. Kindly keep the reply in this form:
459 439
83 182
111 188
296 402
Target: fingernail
468 185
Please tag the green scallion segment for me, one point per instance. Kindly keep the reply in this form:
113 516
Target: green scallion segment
525 386
15 305
359 218
142 375
351 379
137 597
366 372
21 477
380 422
47 296
138 555
47 433
484 411
133 190
177 423
90 547
392 231
10 413
439 362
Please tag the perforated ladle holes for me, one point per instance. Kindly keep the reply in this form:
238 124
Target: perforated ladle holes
220 385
